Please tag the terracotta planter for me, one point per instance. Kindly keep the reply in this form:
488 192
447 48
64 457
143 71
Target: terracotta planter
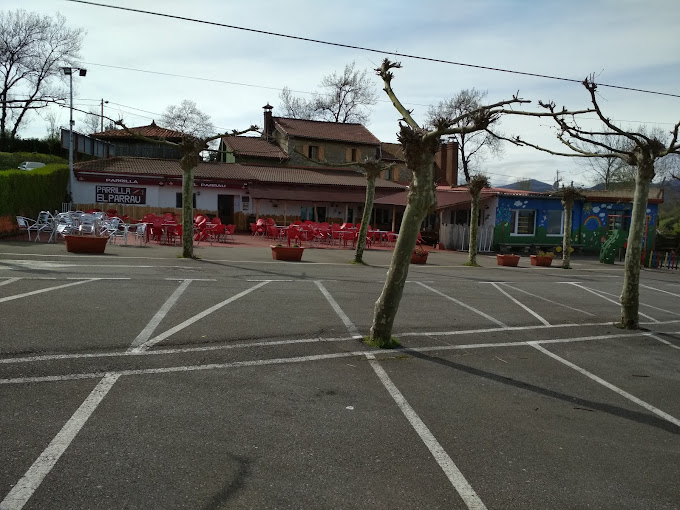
291 253
507 260
541 261
419 259
85 244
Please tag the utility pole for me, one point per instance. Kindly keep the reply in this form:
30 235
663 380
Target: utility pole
102 115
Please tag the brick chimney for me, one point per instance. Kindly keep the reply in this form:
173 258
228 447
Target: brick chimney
446 159
268 128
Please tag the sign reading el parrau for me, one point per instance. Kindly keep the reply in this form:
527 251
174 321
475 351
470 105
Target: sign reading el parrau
121 195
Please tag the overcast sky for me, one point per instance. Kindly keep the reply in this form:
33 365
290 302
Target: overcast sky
231 73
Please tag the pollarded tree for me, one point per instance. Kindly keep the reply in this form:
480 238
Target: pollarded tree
568 195
195 126
637 149
420 146
474 147
475 186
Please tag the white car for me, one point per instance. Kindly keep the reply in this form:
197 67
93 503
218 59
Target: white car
30 165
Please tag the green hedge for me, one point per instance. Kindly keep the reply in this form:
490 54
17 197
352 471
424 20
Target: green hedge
11 160
26 193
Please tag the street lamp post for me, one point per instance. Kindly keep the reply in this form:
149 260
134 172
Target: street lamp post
68 71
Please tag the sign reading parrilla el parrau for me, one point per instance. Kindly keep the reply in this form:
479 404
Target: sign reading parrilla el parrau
121 195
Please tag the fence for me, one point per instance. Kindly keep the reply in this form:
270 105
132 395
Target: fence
457 237
662 260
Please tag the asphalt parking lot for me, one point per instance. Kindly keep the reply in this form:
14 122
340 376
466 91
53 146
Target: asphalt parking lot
137 379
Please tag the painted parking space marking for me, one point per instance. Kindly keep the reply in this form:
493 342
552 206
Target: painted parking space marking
471 308
660 290
343 316
8 281
606 384
297 359
546 299
522 305
455 476
153 341
641 304
597 293
655 337
27 485
49 289
146 333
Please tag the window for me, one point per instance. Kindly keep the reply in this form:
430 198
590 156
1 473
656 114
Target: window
355 156
523 222
313 152
555 223
178 200
388 174
618 220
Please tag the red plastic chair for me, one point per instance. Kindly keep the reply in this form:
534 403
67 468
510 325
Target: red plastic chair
293 232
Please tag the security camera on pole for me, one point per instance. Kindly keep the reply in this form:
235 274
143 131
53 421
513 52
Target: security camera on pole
69 72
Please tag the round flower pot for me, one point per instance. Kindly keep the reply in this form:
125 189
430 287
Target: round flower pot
507 260
419 259
290 253
541 261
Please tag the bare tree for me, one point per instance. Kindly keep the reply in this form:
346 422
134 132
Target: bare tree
90 122
475 186
52 119
345 98
188 119
475 147
296 107
641 150
567 195
607 171
33 49
420 146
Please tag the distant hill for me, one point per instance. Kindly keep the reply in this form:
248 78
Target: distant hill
529 185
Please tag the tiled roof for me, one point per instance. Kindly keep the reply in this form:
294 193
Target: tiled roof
392 152
150 131
231 171
251 146
332 131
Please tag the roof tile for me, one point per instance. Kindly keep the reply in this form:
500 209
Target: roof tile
321 130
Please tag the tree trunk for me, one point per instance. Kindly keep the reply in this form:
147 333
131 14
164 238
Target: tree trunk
630 295
421 199
188 213
474 227
365 218
566 238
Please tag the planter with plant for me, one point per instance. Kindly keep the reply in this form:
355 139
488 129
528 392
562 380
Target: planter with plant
542 259
419 255
290 253
85 244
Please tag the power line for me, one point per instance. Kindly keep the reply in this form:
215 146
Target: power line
372 50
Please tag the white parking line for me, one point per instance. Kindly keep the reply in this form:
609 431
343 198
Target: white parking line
343 316
295 359
146 333
455 476
153 341
541 319
471 308
606 384
660 290
664 341
33 293
546 299
641 304
27 485
597 293
8 281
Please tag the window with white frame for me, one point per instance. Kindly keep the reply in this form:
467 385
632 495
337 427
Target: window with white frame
523 222
555 224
